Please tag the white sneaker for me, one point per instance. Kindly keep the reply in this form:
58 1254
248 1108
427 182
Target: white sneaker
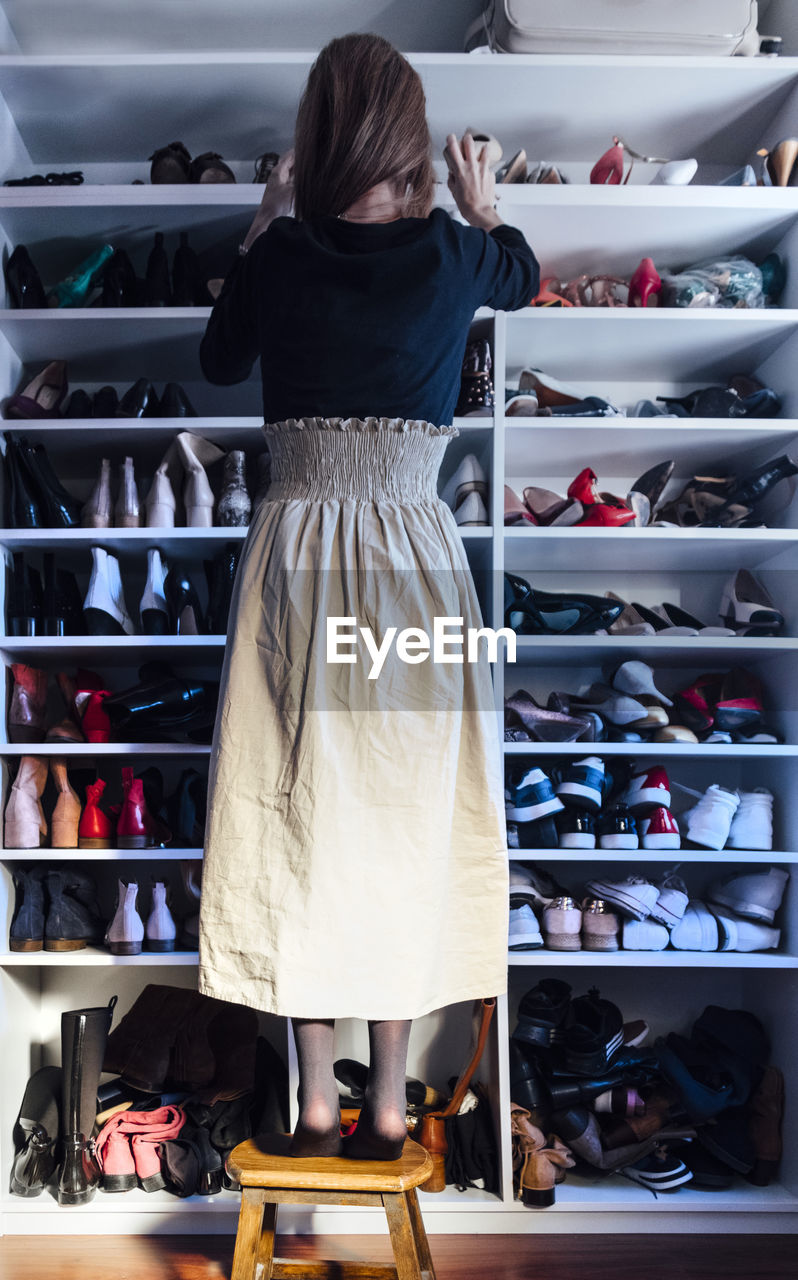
736 934
697 930
709 822
161 929
634 897
752 825
672 901
525 932
756 895
644 935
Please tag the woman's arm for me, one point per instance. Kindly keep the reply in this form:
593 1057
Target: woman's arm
471 182
278 199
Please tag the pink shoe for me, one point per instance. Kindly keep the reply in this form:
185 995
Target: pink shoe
114 1156
151 1129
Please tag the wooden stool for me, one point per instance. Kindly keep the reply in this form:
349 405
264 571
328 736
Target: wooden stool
268 1176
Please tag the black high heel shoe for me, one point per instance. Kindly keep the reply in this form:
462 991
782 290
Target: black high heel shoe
62 604
105 403
184 606
60 509
175 403
121 285
220 573
157 292
532 613
24 283
139 401
754 488
188 287
23 598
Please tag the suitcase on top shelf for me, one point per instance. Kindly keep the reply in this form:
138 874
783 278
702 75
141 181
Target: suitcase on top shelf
701 27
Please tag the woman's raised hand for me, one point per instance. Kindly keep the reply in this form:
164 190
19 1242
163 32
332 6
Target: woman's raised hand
471 181
277 200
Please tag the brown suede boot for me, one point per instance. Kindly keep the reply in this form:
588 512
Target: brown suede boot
28 701
765 1116
66 814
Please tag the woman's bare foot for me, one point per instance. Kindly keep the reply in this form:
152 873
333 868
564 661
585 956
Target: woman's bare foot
318 1131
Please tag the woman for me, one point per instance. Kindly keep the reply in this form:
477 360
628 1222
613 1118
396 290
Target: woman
355 859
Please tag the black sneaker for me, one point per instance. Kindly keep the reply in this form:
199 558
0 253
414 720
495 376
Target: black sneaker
594 1032
660 1171
541 1013
618 829
577 829
531 797
583 784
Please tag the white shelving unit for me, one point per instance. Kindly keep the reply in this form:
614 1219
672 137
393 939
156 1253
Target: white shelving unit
118 107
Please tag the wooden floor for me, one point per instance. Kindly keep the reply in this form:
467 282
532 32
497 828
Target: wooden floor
461 1257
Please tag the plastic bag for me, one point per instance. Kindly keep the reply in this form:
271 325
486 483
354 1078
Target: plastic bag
725 282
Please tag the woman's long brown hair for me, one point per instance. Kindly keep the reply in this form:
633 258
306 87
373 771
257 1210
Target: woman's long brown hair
361 121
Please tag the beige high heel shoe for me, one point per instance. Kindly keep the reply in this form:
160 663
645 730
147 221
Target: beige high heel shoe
780 162
25 823
98 511
66 814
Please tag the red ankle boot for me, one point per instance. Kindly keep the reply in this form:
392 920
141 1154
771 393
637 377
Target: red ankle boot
96 830
134 828
94 718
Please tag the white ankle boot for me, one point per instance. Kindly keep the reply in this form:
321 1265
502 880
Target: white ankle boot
195 454
127 514
752 824
104 605
161 930
708 823
153 609
125 933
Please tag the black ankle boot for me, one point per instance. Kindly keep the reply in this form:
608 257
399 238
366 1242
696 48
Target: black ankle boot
84 1033
188 288
220 573
69 924
59 509
36 1133
169 702
156 286
184 607
24 506
24 599
185 810
121 287
24 285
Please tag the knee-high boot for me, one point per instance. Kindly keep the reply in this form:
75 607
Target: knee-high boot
83 1036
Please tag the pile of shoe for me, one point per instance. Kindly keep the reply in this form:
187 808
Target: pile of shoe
684 1111
38 500
542 396
720 707
45 396
169 604
641 914
746 609
144 819
161 704
107 278
581 805
192 1079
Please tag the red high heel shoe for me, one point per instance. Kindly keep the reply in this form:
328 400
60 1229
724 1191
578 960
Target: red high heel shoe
644 283
600 508
608 169
95 830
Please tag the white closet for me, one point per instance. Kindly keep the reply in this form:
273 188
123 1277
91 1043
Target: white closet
81 95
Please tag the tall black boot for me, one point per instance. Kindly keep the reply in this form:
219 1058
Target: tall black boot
83 1036
36 1133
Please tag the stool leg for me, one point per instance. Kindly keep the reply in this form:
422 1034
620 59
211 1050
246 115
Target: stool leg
267 1236
248 1236
402 1236
420 1234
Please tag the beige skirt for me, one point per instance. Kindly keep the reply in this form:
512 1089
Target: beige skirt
355 857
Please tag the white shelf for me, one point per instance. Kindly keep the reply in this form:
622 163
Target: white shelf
527 100
686 857
179 541
555 549
657 650
666 750
43 854
93 958
653 959
90 749
117 650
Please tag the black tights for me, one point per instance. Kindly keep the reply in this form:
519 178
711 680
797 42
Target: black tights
382 1125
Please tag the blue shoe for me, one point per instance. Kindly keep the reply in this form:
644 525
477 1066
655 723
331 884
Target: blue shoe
531 798
583 784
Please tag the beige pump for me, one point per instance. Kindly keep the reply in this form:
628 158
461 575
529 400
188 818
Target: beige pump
191 454
25 823
66 814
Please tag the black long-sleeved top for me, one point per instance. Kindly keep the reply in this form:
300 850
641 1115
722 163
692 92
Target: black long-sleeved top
362 319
